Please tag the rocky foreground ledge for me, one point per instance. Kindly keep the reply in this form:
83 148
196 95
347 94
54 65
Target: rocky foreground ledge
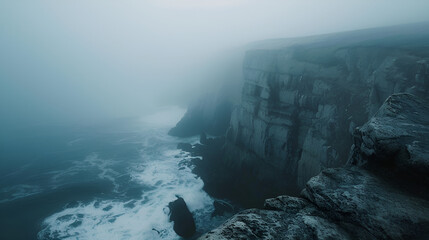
380 194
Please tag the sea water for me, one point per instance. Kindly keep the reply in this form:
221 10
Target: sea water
107 181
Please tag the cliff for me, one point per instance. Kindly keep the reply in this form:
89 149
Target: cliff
210 114
302 99
380 194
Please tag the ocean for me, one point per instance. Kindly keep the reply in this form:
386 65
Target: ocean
108 181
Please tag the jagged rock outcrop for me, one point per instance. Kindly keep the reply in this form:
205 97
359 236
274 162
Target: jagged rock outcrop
367 199
302 99
285 218
184 224
359 198
396 138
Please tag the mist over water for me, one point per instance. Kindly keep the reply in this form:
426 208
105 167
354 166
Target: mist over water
89 90
112 182
85 61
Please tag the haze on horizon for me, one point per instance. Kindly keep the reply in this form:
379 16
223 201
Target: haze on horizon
83 61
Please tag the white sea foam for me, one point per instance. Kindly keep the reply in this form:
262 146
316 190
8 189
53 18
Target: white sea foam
163 174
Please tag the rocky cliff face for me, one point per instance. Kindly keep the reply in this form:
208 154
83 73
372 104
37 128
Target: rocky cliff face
373 197
210 114
303 98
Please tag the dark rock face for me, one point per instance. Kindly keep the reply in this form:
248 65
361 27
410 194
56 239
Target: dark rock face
224 182
222 207
302 99
184 224
289 218
396 138
359 198
300 104
210 114
362 200
187 147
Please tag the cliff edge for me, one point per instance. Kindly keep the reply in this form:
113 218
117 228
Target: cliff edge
302 99
380 194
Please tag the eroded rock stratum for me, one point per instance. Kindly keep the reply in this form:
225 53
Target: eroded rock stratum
380 194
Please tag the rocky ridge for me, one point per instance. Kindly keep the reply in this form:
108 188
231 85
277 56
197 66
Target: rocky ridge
364 200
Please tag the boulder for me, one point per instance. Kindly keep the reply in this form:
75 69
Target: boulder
184 224
396 139
357 197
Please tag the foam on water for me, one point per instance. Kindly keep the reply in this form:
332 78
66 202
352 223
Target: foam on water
163 172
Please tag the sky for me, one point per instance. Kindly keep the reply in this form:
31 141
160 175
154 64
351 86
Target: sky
67 61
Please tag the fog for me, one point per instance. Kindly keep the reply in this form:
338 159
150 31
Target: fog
84 61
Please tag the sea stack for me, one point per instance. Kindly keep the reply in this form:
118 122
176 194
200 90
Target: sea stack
184 224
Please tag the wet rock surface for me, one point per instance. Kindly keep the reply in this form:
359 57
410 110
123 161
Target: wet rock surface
360 201
184 224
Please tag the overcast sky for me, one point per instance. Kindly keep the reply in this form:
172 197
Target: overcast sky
70 60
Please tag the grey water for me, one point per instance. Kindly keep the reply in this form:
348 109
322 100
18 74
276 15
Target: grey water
106 181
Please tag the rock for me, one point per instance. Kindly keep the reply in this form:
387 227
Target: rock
223 182
301 100
187 147
285 203
209 114
359 198
203 138
249 224
396 138
373 197
301 96
302 221
184 224
295 126
221 207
